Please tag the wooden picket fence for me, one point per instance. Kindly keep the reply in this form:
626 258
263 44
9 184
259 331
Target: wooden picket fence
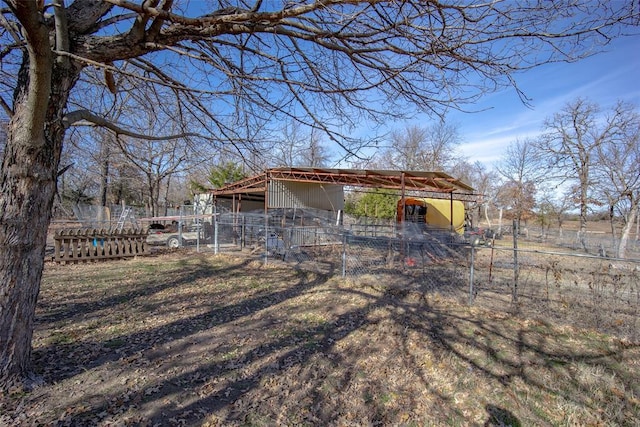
83 245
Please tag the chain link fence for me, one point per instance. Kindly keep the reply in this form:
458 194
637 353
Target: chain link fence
538 276
546 274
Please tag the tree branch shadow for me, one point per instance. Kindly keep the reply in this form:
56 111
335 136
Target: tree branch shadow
232 362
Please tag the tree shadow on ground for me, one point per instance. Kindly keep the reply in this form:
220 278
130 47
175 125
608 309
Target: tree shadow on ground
127 345
500 417
325 352
67 307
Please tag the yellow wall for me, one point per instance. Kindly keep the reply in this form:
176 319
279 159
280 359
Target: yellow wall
439 212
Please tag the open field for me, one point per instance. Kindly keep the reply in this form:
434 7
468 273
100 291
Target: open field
195 339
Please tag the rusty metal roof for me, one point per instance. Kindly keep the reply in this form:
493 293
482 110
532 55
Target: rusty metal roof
435 182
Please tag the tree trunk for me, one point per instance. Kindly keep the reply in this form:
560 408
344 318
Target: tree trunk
156 197
27 190
25 219
104 170
166 194
583 219
486 215
151 205
516 266
626 230
153 187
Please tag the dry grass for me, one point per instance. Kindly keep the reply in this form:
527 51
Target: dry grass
193 339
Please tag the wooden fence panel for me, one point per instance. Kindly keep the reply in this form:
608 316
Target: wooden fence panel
82 245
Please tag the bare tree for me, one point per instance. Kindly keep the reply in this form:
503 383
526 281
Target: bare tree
428 148
286 148
295 147
522 172
127 184
554 206
315 153
148 109
484 181
236 69
570 144
157 162
617 167
92 153
288 145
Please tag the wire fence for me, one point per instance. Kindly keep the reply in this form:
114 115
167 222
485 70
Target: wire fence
564 279
544 274
579 289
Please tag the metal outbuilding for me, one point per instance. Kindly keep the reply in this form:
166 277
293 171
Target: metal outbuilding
323 188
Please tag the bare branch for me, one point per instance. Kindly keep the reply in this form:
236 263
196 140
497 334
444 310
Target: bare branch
7 109
79 115
112 21
158 22
11 29
62 31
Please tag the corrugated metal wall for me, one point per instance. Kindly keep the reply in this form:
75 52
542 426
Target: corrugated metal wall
245 205
289 194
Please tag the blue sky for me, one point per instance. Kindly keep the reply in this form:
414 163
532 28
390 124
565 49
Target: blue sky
604 79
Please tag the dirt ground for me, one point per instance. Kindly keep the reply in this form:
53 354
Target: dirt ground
200 340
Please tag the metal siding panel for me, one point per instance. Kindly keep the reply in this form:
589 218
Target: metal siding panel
287 194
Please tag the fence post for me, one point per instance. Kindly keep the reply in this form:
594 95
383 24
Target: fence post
243 230
471 273
57 246
215 229
199 226
516 267
180 223
266 240
344 255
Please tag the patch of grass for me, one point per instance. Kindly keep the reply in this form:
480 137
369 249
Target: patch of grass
62 337
230 354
